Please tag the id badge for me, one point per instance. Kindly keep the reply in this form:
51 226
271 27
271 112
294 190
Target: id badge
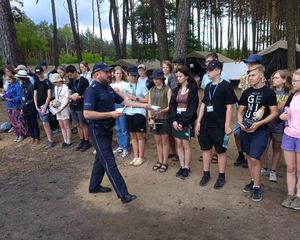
210 108
178 110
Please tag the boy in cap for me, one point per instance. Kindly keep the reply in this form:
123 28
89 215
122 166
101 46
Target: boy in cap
213 121
42 96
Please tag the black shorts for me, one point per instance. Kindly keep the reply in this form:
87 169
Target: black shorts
136 123
211 137
161 127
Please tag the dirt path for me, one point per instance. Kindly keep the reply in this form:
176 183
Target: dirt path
43 195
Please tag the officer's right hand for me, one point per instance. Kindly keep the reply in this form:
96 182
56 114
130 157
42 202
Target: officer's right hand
116 114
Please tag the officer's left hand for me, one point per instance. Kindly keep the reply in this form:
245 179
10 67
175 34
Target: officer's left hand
116 114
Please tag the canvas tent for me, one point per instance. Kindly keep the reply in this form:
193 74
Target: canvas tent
195 61
126 63
275 57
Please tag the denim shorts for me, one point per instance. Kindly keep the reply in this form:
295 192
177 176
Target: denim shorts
290 143
45 117
254 144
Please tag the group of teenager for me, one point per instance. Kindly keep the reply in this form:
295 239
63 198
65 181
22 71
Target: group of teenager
55 98
167 103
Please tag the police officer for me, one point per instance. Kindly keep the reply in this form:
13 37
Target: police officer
99 100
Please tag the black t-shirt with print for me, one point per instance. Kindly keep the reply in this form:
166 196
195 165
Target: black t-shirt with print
254 99
221 94
78 86
42 88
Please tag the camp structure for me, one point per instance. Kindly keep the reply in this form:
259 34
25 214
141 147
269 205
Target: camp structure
196 62
126 63
275 57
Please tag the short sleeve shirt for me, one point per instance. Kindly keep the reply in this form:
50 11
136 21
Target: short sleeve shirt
140 91
101 98
219 96
42 88
78 86
254 99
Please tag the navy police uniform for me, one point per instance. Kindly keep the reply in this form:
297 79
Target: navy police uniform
101 98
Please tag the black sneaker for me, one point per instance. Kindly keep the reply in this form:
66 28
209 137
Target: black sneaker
256 194
248 188
63 145
219 183
179 173
80 145
85 146
239 161
66 145
245 164
185 173
205 179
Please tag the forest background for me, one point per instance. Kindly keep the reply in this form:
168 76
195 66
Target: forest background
149 29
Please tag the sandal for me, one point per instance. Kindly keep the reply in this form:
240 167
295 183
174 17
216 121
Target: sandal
163 168
157 166
201 158
214 159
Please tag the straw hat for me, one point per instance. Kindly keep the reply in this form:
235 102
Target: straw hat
56 78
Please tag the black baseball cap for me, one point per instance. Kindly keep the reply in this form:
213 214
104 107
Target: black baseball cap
214 64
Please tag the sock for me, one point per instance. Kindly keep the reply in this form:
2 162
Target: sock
254 186
221 175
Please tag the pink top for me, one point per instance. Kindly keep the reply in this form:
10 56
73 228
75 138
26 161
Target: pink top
293 127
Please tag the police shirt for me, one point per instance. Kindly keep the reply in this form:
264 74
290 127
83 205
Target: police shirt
101 97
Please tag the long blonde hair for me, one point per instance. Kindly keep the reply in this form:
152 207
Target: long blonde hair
124 75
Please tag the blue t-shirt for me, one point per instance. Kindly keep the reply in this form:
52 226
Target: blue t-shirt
139 90
101 98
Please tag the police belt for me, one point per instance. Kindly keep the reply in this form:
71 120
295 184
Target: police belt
98 125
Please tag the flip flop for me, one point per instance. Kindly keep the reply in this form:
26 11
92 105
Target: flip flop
163 168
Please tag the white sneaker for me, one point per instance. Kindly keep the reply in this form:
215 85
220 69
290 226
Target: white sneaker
273 176
20 139
125 154
264 172
133 161
118 150
138 162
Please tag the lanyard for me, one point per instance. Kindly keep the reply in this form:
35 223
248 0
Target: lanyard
134 88
58 92
76 86
212 95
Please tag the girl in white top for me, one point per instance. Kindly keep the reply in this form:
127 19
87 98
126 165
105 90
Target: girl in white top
119 85
61 104
85 71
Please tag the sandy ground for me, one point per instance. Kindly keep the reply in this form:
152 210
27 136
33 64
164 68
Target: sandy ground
43 195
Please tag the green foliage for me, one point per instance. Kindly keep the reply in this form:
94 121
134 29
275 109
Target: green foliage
30 41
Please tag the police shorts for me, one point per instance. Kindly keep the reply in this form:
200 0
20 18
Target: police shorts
211 137
254 144
78 118
136 123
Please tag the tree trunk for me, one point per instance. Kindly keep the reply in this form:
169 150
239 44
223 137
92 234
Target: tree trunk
160 28
100 27
134 46
125 25
8 38
291 34
76 16
115 27
55 40
182 27
274 21
75 33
